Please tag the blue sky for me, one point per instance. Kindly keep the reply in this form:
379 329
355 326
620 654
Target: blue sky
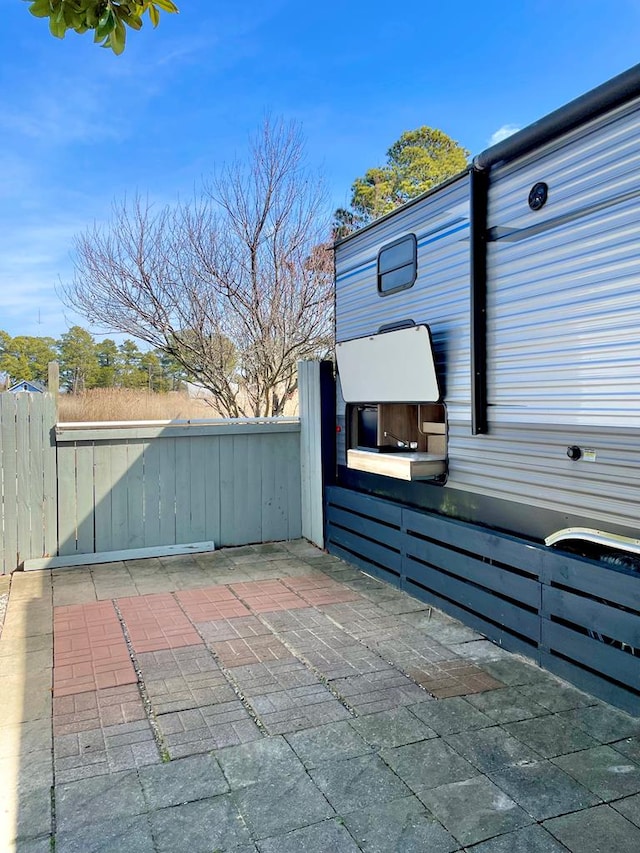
80 127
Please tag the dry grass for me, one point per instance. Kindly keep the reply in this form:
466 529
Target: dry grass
128 404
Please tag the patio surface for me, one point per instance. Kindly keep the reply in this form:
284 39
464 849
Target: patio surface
273 699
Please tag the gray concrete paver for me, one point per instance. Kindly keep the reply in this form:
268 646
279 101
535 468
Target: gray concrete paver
202 826
280 805
356 783
400 825
604 771
428 764
328 742
184 780
108 798
551 735
449 716
629 808
121 835
507 705
595 830
474 810
490 749
328 836
543 790
396 727
531 839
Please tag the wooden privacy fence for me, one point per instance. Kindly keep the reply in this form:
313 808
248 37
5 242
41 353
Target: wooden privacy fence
81 489
28 521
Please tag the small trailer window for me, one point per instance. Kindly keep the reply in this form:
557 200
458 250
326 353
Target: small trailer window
397 265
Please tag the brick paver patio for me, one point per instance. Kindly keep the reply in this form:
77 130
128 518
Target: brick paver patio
271 698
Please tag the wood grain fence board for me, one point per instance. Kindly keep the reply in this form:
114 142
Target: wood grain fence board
119 452
23 458
67 500
167 490
9 482
198 448
183 488
84 502
504 549
599 657
213 497
151 494
50 511
135 494
102 498
36 480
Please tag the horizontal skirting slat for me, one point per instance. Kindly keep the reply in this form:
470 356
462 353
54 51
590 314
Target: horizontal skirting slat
366 527
366 505
366 566
371 551
468 537
475 599
507 641
619 587
493 578
592 683
613 662
596 616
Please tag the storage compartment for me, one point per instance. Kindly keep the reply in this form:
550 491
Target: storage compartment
402 440
391 437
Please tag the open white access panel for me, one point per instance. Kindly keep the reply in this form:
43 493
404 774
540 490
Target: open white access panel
396 424
391 367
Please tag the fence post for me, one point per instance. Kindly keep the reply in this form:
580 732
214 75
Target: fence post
315 442
310 451
53 382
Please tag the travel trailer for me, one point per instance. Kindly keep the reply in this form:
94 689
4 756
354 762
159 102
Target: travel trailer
488 354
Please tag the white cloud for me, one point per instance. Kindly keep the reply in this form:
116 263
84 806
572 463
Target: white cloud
502 133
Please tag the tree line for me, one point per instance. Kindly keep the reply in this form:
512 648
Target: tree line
86 363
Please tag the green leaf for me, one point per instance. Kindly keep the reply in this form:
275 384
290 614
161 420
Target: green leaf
57 28
133 21
167 5
106 25
118 38
154 15
40 9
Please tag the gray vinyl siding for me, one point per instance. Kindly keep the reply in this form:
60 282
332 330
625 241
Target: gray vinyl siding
564 304
440 296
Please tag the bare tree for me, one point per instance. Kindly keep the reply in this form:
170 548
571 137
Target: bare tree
237 285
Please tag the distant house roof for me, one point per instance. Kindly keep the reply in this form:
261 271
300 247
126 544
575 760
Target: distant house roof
32 386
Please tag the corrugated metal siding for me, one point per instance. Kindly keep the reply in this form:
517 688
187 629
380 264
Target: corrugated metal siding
563 304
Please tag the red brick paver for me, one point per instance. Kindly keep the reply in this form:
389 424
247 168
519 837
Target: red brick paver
89 649
321 590
157 622
209 603
267 596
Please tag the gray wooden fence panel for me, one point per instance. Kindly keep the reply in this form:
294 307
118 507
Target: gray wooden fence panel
27 479
174 489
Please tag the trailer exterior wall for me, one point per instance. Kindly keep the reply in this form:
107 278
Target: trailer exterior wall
563 314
